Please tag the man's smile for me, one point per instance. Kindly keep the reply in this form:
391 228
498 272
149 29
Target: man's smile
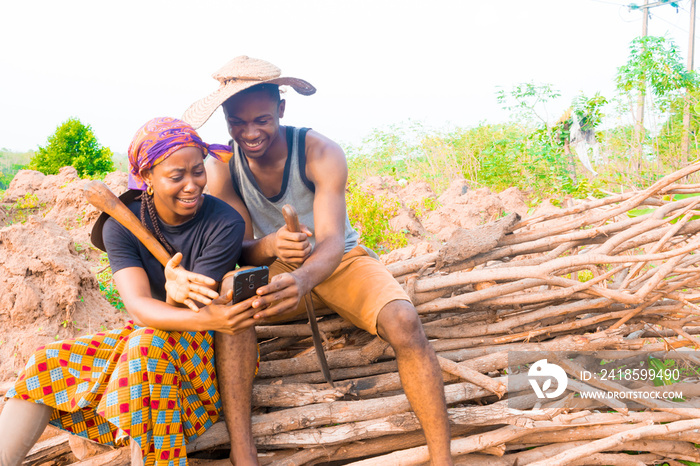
252 145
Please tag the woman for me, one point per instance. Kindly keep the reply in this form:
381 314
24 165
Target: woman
152 381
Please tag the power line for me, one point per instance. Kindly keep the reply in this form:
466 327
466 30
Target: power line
668 22
609 3
641 8
648 6
619 13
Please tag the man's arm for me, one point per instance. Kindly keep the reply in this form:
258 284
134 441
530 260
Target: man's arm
283 244
327 168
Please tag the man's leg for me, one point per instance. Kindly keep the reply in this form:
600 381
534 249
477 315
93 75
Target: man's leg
420 373
236 356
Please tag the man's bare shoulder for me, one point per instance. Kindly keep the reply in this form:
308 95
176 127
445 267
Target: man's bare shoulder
218 178
215 164
325 161
320 147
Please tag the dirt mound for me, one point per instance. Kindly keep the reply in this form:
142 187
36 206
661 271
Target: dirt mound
48 289
49 293
426 216
36 183
60 198
514 201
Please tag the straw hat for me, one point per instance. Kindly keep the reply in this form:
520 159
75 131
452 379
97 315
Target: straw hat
238 74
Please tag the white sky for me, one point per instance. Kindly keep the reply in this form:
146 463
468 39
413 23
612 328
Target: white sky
114 65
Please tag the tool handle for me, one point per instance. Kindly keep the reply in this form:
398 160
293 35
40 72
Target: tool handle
98 194
291 218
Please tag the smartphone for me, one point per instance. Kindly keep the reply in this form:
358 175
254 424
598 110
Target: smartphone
247 280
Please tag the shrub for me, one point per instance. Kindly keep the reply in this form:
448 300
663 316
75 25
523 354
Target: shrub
73 144
24 207
370 217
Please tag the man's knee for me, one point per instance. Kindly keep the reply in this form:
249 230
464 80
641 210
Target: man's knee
399 324
227 283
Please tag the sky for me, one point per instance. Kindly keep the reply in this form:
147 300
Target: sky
375 64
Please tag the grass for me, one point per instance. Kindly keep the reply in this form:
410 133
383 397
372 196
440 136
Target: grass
23 208
106 282
370 216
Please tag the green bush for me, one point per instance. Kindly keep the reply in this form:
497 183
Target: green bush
24 207
73 144
370 217
10 163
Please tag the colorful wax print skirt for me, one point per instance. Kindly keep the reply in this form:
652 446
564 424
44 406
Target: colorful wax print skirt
154 386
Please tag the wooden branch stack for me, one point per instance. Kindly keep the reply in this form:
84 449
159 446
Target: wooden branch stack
613 274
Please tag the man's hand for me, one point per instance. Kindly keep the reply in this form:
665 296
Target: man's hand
292 247
280 296
222 316
185 287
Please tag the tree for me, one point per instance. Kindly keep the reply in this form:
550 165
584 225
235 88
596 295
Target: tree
527 101
541 153
654 64
578 125
73 144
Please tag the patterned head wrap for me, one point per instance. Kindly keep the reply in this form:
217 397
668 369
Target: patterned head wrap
158 139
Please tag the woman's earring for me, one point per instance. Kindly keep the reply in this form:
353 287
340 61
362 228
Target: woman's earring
149 190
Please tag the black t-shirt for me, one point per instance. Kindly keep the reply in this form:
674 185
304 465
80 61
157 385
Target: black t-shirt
210 243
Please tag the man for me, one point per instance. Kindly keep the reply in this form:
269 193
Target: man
274 165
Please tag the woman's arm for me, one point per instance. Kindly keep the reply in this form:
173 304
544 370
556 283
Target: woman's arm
134 289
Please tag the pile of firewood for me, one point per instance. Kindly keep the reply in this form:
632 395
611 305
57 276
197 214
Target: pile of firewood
615 277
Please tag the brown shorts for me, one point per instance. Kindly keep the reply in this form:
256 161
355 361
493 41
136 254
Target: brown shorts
358 289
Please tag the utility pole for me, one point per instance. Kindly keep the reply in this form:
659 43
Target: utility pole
639 121
685 139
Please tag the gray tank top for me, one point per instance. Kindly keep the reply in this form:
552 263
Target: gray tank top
297 190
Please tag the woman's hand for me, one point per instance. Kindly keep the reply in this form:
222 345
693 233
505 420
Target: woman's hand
222 316
292 247
185 287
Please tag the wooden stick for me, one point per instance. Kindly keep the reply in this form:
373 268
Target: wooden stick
413 456
49 448
118 457
289 395
541 271
594 433
603 444
475 377
298 330
309 363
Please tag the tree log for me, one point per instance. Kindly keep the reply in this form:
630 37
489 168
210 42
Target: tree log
288 395
475 377
577 453
338 358
48 449
118 457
